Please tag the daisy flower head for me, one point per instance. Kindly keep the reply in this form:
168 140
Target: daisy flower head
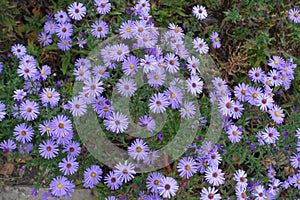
61 125
126 87
61 187
171 63
126 29
240 91
93 87
27 71
226 105
64 44
187 110
294 15
270 135
234 134
153 181
50 96
138 149
275 62
68 165
275 78
2 111
92 176
215 40
125 172
147 122
130 65
167 187
82 73
240 177
187 167
99 72
119 52
276 114
199 12
214 176
83 62
7 145
18 50
45 39
78 106
237 110
72 148
295 160
158 103
193 65
81 42
50 27
99 29
151 157
149 63
256 74
156 78
76 11
45 72
103 6
23 133
64 30
116 123
48 149
174 96
112 181
264 101
29 110
210 193
194 85
214 158
200 45
61 17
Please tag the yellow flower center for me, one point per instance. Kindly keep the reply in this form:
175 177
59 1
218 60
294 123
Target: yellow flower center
276 62
25 147
93 174
277 113
243 91
44 38
64 43
268 82
187 109
51 27
298 181
286 69
176 30
156 182
48 129
204 164
283 78
172 95
59 185
235 133
42 72
216 39
131 66
187 167
156 77
101 71
223 91
197 122
254 95
49 95
128 29
296 15
160 64
138 149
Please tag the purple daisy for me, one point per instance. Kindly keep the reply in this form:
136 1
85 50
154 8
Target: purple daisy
92 176
103 6
99 72
153 181
8 145
50 96
125 29
241 91
126 87
48 149
72 148
125 172
77 11
194 85
119 52
214 176
234 134
27 71
187 167
171 63
99 29
64 30
23 133
81 42
29 110
130 65
240 177
93 87
61 186
156 77
18 50
276 114
26 148
275 62
45 72
237 110
264 101
50 27
147 122
187 110
45 39
158 103
61 125
294 15
215 40
78 106
112 181
167 187
199 12
61 17
270 135
210 193
82 73
65 44
68 165
138 150
174 96
116 123
200 45
193 65
2 111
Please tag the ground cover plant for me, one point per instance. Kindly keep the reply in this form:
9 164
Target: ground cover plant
152 99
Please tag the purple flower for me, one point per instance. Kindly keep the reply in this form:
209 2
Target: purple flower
167 187
126 29
103 6
45 39
50 96
112 181
214 176
48 149
64 30
125 172
23 133
61 126
160 136
294 15
50 27
26 148
8 145
18 50
153 181
126 87
2 111
210 193
199 12
29 110
138 149
116 123
61 16
276 114
27 70
48 196
92 176
65 44
147 122
34 192
81 42
99 29
77 11
187 167
68 165
215 40
158 103
252 147
72 148
61 186
270 135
